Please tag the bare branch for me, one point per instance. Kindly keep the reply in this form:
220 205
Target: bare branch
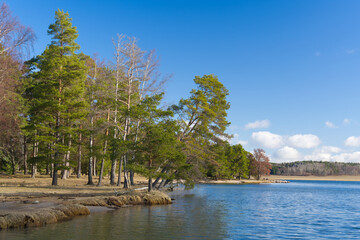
14 37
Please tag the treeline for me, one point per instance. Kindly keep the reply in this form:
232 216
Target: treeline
315 168
64 112
233 161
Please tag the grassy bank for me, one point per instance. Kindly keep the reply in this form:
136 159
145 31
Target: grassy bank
27 202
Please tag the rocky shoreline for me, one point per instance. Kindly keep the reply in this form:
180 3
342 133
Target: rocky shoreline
40 212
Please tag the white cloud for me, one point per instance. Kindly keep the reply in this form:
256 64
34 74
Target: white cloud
318 157
352 141
350 51
267 139
328 149
234 127
243 143
347 157
342 157
236 140
287 154
330 124
258 124
346 121
333 154
304 141
325 153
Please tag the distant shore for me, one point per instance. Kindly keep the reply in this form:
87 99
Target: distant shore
344 178
244 181
280 179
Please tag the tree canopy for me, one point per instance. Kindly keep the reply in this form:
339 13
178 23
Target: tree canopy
69 112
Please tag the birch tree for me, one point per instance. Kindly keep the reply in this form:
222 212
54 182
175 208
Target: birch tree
14 37
134 71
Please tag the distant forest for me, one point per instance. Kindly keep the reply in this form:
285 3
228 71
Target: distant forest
315 168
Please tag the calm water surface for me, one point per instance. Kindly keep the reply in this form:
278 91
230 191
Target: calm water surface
298 210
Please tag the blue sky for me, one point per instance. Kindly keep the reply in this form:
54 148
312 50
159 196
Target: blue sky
292 67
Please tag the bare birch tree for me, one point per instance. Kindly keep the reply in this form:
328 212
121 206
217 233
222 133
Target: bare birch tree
14 37
134 78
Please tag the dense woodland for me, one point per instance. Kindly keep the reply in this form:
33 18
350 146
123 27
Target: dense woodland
315 168
63 112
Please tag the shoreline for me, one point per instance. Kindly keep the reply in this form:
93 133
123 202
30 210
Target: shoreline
42 211
243 182
31 202
283 179
342 178
26 202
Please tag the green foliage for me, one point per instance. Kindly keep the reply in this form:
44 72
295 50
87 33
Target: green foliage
202 120
158 145
54 90
231 161
70 99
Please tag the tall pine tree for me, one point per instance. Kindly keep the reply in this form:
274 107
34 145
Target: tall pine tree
56 89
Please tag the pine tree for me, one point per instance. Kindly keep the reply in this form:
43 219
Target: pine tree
56 89
202 120
158 143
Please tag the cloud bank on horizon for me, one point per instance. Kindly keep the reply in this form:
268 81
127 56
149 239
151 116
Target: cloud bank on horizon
299 147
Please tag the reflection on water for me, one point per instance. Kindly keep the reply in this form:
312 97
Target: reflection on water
298 210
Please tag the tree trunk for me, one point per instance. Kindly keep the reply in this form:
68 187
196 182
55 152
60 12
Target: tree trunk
158 178
35 154
102 166
79 155
113 161
120 168
67 159
164 183
126 179
132 178
25 155
112 173
94 166
119 173
52 170
90 181
55 175
150 185
104 151
13 164
33 170
150 179
48 172
161 184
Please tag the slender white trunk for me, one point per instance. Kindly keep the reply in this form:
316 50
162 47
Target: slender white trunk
90 181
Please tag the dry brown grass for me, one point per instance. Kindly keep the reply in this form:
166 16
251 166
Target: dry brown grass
18 216
25 186
27 202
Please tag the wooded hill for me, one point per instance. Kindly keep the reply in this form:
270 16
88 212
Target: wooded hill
315 168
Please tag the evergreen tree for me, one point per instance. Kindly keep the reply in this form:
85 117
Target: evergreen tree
158 144
55 90
202 118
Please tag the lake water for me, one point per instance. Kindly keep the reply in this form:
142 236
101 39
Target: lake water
297 210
